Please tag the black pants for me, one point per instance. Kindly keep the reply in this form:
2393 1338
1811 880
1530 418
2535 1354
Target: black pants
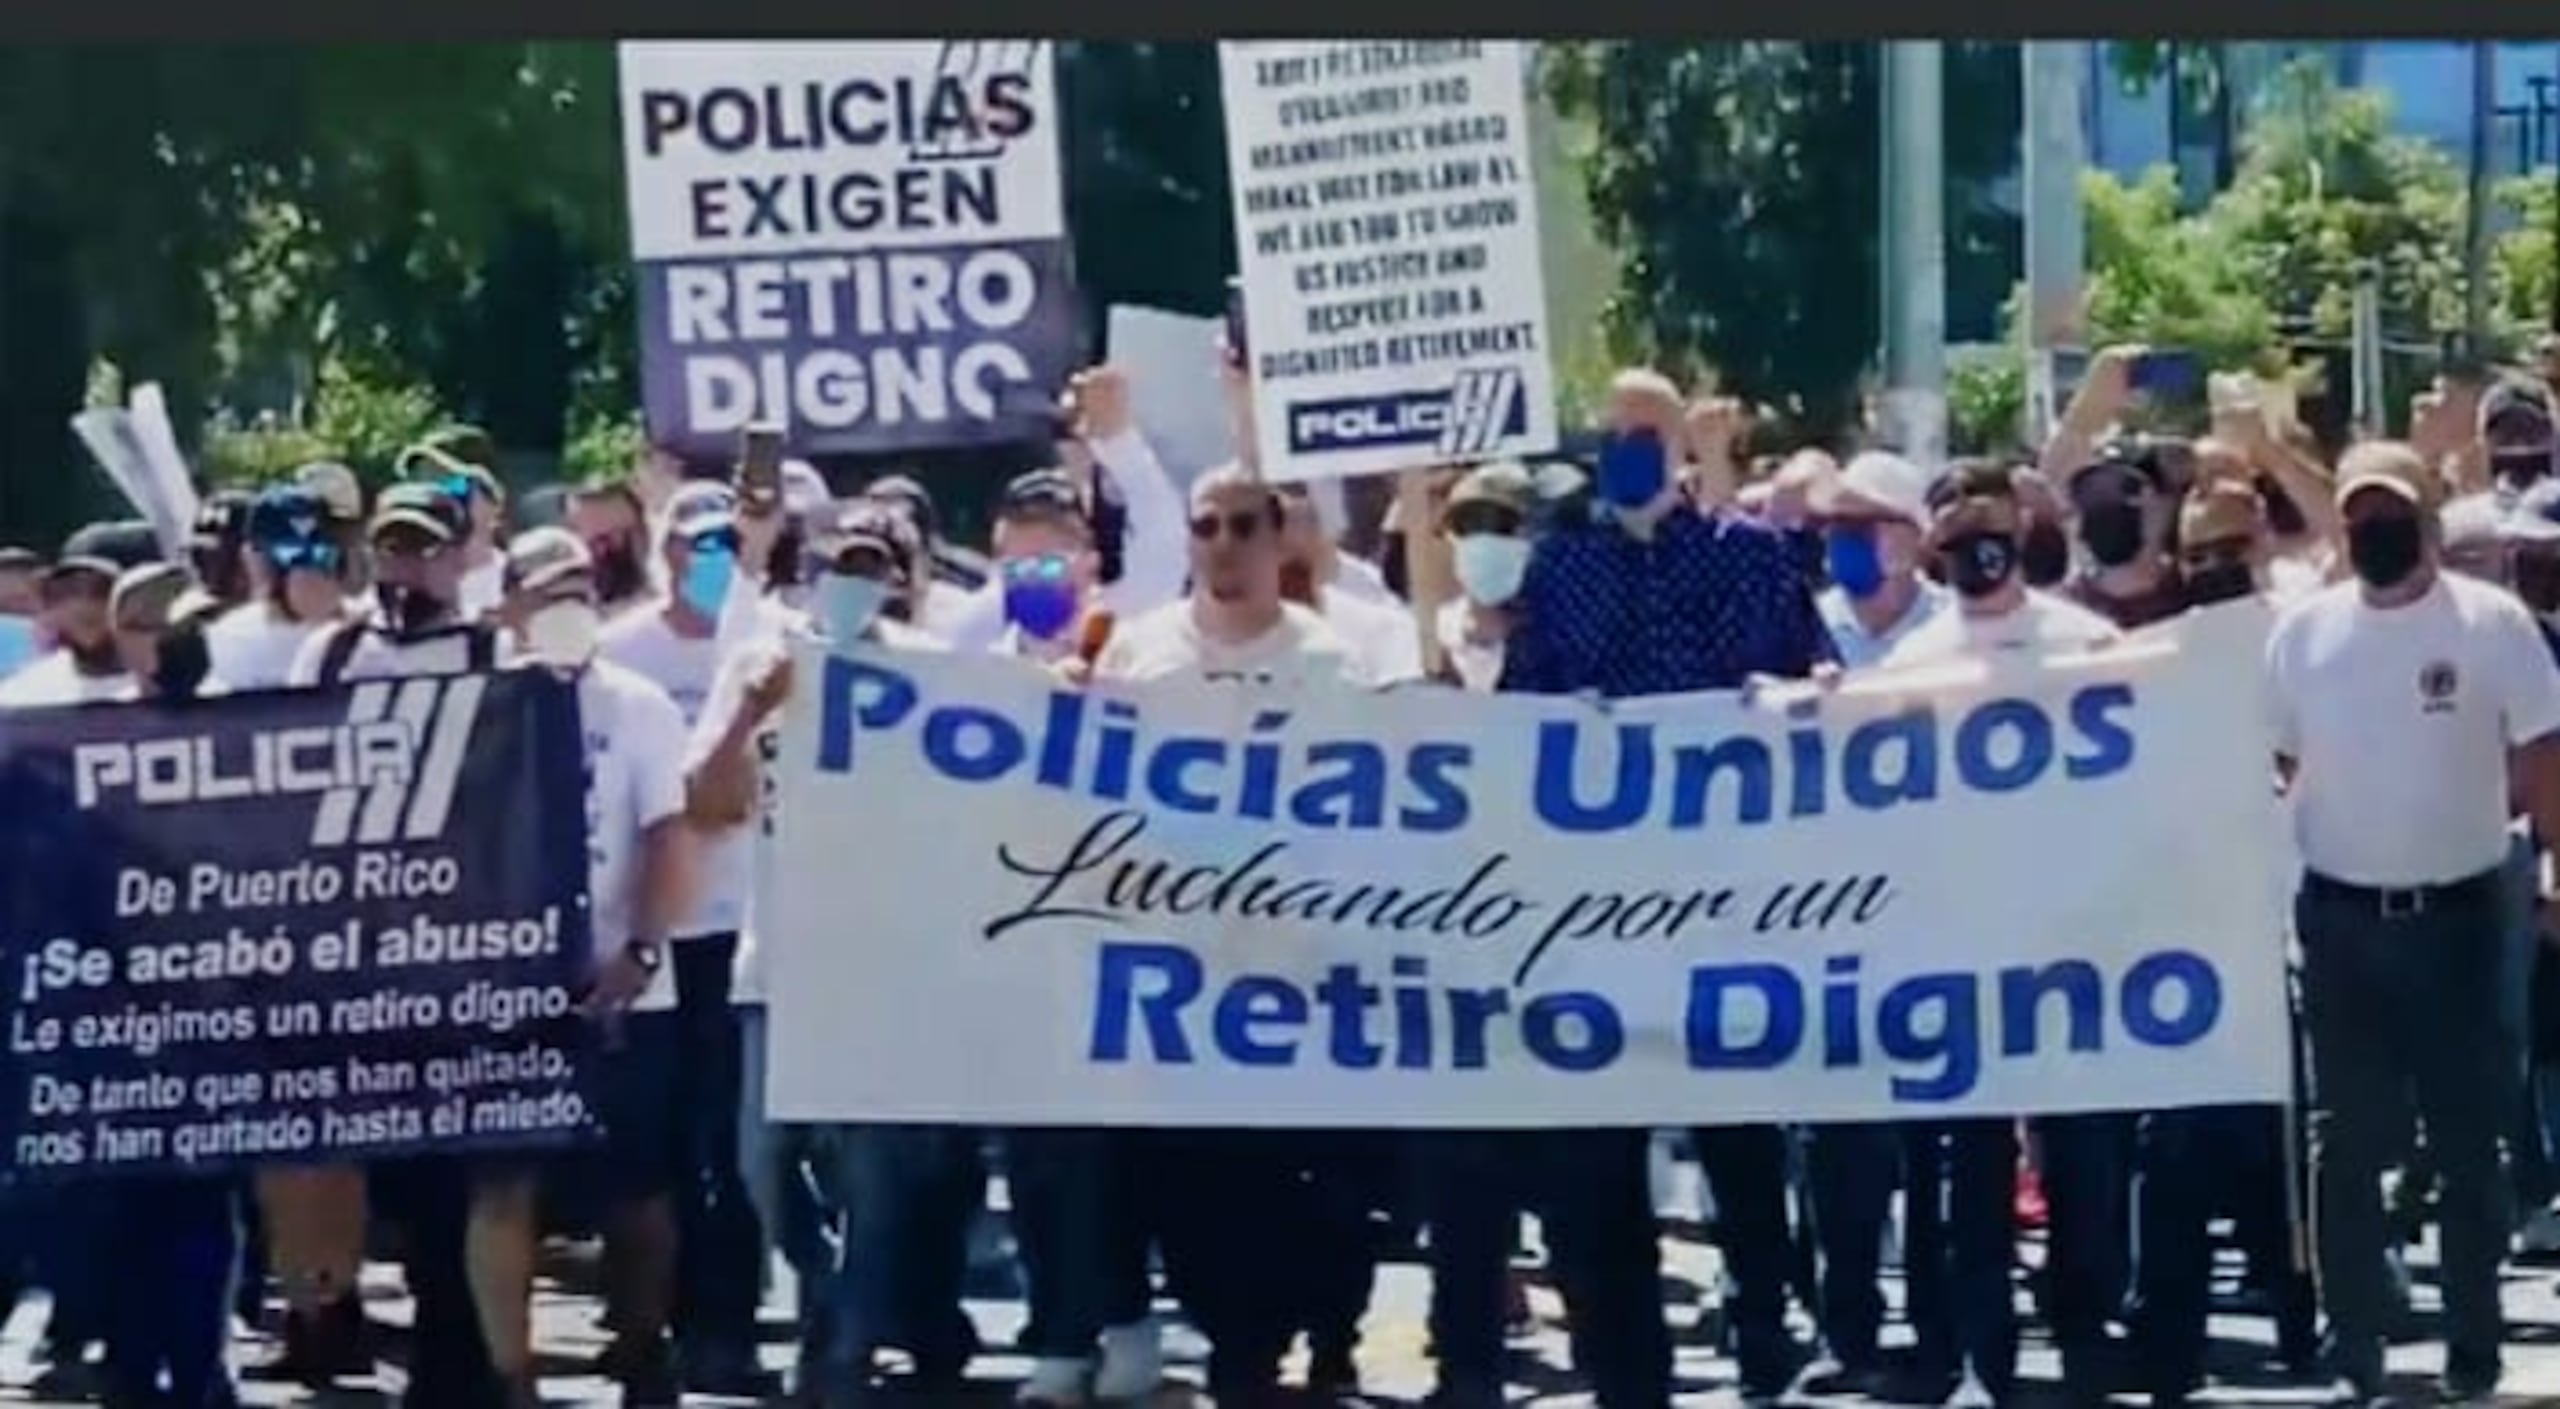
2086 1164
1853 1169
449 1365
2400 994
1747 1168
1960 1247
1592 1191
2194 1163
719 1276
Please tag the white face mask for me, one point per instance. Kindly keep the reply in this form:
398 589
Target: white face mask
563 633
1490 566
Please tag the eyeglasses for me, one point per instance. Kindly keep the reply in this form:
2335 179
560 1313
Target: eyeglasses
1242 525
1467 520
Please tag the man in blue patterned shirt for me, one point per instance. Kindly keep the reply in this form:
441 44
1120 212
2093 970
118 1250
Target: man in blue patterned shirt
1653 596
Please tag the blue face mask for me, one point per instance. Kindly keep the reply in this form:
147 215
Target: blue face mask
1632 470
708 574
849 605
1854 562
1040 596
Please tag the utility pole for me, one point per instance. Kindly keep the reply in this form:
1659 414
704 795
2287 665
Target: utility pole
2057 152
1913 246
2475 217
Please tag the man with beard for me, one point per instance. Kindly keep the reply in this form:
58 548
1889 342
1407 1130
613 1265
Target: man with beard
83 665
615 525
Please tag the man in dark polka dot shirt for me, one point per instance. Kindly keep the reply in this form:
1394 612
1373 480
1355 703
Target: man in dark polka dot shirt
1655 596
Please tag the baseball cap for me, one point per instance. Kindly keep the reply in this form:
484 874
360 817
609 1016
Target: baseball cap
1052 490
1503 483
107 549
421 507
546 557
146 597
2535 517
907 493
19 559
871 526
431 460
2389 466
2515 397
701 507
336 487
1875 481
289 526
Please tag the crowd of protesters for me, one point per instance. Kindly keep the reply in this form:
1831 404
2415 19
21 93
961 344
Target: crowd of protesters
2415 728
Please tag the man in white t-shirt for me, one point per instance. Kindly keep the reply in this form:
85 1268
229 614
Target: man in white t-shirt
83 665
1382 636
462 461
1235 623
639 871
2408 705
298 574
673 643
885 1181
1237 1222
1977 527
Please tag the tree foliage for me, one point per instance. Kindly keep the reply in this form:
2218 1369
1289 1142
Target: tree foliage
1738 183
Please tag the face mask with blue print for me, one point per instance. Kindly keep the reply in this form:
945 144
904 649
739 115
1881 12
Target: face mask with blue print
708 573
848 605
1040 597
1633 469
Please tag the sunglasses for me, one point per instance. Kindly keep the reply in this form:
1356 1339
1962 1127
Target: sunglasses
718 540
1047 567
1475 518
2219 550
1243 525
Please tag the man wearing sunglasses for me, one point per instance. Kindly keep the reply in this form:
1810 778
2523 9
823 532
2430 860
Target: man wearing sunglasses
21 600
1236 622
674 645
460 461
83 665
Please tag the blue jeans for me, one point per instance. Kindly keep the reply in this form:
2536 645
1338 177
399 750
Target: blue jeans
908 1194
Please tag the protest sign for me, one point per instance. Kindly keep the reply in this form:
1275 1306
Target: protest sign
310 925
1387 236
863 241
1001 901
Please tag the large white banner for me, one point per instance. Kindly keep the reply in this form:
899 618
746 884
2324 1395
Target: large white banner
1387 237
2042 888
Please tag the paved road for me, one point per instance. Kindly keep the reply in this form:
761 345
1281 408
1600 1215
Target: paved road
1394 1358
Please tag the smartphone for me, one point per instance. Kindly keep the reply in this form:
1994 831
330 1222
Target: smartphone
760 467
1236 354
2171 375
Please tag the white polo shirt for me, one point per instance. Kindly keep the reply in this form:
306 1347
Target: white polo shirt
644 643
2400 720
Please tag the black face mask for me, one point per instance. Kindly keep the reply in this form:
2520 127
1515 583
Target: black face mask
2283 515
185 660
618 574
2045 554
411 612
1979 564
2384 551
2519 468
2208 583
2113 531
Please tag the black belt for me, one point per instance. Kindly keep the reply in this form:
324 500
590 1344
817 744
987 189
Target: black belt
2401 902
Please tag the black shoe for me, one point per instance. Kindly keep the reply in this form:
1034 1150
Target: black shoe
331 1343
730 1371
647 1372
